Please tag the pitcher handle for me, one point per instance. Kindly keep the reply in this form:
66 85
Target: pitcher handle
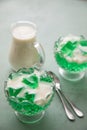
41 53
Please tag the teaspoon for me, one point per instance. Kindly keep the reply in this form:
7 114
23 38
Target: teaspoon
58 89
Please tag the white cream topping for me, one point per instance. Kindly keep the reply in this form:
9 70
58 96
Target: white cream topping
77 57
42 92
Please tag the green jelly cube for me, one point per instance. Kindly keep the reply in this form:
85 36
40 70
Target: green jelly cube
29 97
83 42
69 47
46 78
14 92
31 81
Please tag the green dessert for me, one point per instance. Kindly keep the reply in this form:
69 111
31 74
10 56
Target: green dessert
71 53
29 91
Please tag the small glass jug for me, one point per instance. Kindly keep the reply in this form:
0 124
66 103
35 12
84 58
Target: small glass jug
25 51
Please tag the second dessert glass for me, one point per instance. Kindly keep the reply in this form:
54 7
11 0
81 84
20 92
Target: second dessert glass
70 53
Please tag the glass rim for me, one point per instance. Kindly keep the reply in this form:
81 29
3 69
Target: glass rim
22 23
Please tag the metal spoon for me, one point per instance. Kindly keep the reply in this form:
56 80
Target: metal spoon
58 89
67 111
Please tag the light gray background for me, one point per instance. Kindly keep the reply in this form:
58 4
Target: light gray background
53 18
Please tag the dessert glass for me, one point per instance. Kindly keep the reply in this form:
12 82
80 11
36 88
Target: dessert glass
29 92
70 53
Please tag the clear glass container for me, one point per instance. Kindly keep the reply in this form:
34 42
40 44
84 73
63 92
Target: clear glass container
25 51
29 92
70 53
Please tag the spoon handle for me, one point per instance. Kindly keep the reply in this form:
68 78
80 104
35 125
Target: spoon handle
67 111
76 110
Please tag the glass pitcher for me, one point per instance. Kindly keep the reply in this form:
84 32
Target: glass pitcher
25 51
